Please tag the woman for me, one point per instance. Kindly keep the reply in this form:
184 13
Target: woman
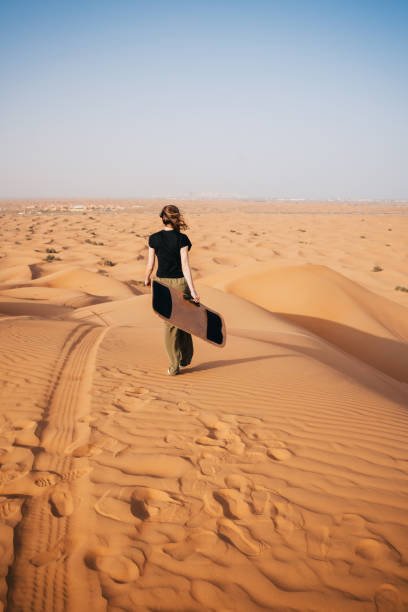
171 248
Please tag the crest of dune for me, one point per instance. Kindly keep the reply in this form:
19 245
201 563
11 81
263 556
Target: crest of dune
366 325
86 281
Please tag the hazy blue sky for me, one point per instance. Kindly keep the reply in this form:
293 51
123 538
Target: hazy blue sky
127 98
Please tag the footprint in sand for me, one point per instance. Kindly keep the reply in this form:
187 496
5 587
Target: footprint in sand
287 518
114 508
252 432
261 502
9 508
207 441
232 503
118 567
370 549
354 524
76 474
193 486
388 599
86 450
56 553
279 454
110 445
130 404
24 433
176 440
61 501
26 438
238 482
147 503
225 434
201 542
249 420
208 419
239 537
12 471
45 479
209 464
318 542
236 447
187 408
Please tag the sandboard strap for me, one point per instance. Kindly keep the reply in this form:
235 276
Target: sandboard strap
214 328
162 301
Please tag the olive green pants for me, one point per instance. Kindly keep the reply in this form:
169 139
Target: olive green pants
179 344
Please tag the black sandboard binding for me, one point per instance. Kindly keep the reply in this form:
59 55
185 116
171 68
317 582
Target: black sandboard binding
183 312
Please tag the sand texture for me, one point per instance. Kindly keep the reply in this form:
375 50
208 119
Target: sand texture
272 474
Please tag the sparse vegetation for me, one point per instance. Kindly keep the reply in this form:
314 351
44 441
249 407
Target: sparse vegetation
50 250
377 269
362 236
108 262
401 288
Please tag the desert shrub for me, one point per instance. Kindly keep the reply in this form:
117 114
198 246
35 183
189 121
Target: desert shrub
377 269
401 288
108 262
50 250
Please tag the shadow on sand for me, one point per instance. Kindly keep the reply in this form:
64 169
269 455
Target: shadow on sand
221 363
385 354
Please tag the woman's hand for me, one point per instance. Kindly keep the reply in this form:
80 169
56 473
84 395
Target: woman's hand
147 281
195 296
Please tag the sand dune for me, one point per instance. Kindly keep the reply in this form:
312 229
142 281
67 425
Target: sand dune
270 475
332 306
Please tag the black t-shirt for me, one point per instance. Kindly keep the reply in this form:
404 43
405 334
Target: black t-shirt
167 245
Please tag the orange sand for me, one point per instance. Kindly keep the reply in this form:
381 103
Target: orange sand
271 475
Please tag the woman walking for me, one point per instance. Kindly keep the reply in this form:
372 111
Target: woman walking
172 247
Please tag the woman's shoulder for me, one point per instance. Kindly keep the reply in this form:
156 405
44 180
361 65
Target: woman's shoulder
154 240
184 240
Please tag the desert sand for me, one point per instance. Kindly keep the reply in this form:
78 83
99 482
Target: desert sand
272 474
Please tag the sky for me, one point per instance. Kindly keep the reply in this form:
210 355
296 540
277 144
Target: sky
255 98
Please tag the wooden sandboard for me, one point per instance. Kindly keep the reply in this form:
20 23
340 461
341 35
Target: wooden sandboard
172 306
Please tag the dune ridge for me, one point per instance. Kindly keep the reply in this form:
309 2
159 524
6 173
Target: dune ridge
364 324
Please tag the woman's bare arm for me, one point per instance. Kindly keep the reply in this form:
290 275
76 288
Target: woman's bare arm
185 266
150 265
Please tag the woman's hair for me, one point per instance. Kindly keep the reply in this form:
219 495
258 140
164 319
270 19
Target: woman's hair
171 215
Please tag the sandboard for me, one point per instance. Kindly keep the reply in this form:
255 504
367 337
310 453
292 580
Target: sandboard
172 306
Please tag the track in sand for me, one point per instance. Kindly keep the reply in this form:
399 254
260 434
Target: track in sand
48 572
